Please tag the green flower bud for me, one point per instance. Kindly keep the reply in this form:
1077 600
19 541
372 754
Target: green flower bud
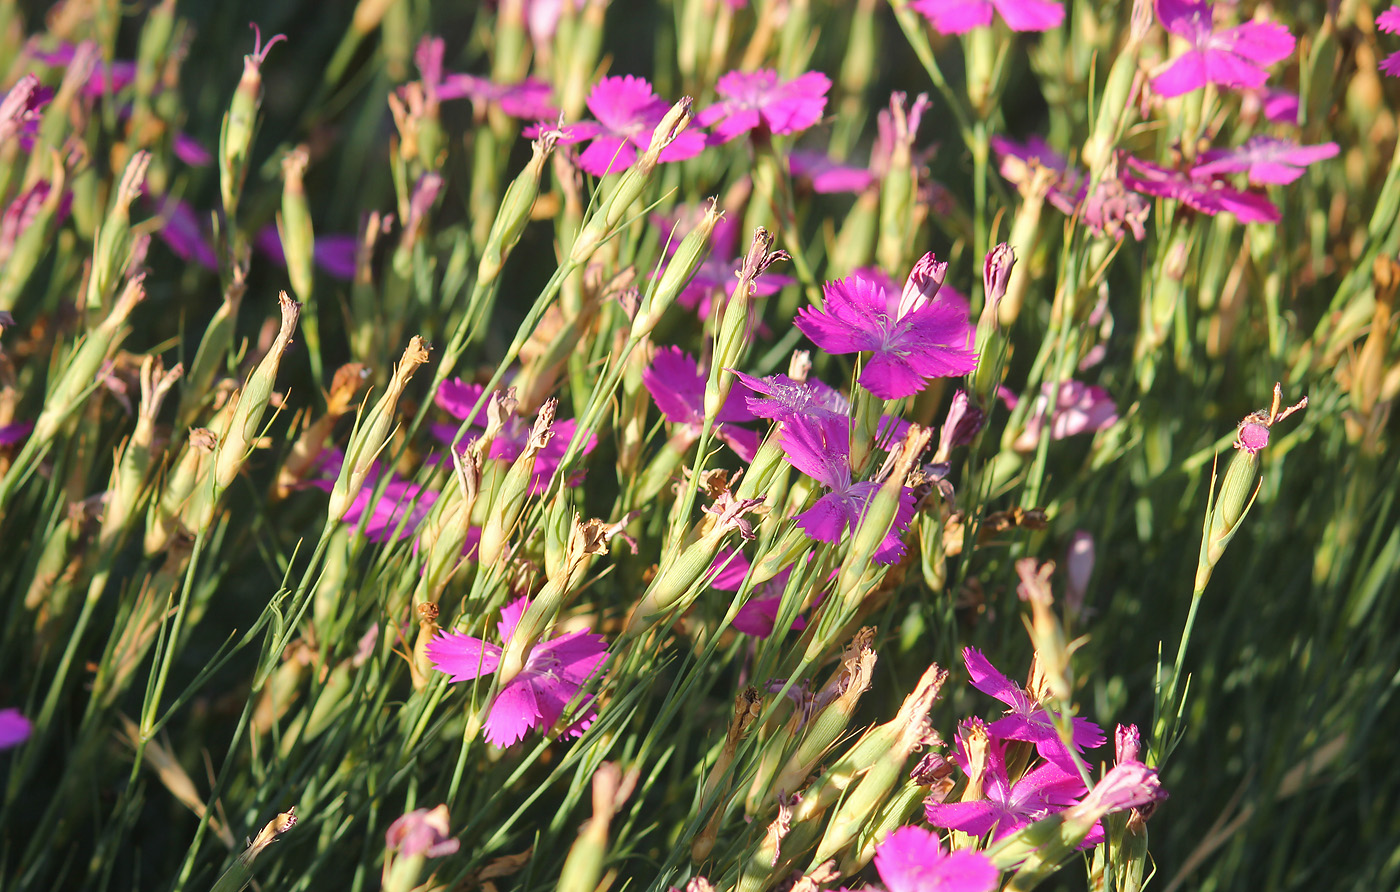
294 224
241 124
372 432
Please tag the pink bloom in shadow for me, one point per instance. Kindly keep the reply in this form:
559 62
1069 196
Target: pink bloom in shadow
677 386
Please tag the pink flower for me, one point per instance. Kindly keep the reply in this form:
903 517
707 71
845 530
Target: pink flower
627 112
20 110
186 234
1207 196
1007 805
1026 719
1389 22
335 253
21 213
106 77
396 514
1079 408
457 398
911 859
828 176
529 99
535 698
677 386
421 832
716 275
821 449
10 434
961 16
14 728
1267 159
909 342
1234 57
760 612
750 100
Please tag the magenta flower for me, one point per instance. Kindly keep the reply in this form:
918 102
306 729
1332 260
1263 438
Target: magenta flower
1026 719
1079 409
1207 196
22 212
1266 159
186 234
760 611
528 100
554 671
627 112
1234 57
20 110
753 99
10 434
961 16
715 275
397 513
1389 22
909 342
334 254
1008 805
677 386
457 398
421 832
105 78
1279 106
14 728
783 399
912 859
828 176
821 449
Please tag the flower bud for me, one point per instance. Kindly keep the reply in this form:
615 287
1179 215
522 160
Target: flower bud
410 841
691 253
515 209
252 403
111 250
241 124
633 182
923 283
583 868
70 389
372 432
509 502
294 225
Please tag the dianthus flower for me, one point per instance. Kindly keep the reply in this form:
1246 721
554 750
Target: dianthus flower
760 611
1389 22
1267 159
106 78
753 99
627 112
912 336
1234 57
912 859
186 234
1079 408
677 386
1209 196
535 698
457 398
828 176
961 16
1007 805
821 449
1026 719
334 254
715 275
529 99
14 728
